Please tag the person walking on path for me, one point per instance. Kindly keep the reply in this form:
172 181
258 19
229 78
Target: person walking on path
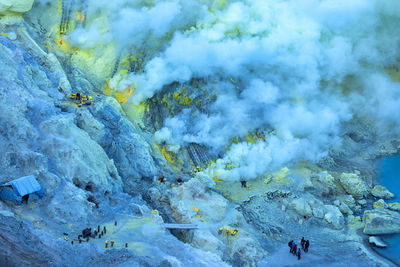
290 244
298 253
307 244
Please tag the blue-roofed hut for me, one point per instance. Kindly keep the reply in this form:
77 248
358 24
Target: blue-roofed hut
20 190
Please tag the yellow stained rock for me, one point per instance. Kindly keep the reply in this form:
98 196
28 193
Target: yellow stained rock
216 179
394 74
123 96
80 16
168 155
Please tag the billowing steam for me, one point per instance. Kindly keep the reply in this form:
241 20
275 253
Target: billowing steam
298 68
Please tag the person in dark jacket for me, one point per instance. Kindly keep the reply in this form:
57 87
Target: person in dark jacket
307 244
302 242
290 244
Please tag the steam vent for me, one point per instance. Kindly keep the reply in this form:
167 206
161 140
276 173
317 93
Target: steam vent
199 133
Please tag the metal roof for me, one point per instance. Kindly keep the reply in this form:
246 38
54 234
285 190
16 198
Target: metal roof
25 185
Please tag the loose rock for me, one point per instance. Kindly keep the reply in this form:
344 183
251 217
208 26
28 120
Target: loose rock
394 206
380 204
354 185
382 192
377 241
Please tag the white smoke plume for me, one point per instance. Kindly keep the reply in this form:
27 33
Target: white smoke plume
303 68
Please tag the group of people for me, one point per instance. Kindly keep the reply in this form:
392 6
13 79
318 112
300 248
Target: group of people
296 250
81 99
162 179
88 233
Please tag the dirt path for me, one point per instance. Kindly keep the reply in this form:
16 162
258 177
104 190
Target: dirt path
282 257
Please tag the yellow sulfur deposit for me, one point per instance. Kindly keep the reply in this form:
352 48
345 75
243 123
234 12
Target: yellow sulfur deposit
394 73
123 96
182 99
168 155
251 138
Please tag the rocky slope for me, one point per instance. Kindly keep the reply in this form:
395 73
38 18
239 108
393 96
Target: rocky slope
96 165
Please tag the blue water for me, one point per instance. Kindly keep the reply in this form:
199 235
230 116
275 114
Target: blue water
390 178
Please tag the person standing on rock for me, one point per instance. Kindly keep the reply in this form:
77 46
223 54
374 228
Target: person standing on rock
307 244
294 250
302 242
298 253
290 244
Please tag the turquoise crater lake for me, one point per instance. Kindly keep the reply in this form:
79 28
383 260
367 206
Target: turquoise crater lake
389 168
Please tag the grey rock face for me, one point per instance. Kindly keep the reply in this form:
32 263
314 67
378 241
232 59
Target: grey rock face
380 191
381 221
123 142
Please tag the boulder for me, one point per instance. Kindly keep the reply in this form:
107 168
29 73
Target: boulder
380 204
348 200
343 207
355 221
377 241
317 208
246 251
323 182
334 216
394 206
362 202
17 6
381 221
380 191
204 240
354 185
301 206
